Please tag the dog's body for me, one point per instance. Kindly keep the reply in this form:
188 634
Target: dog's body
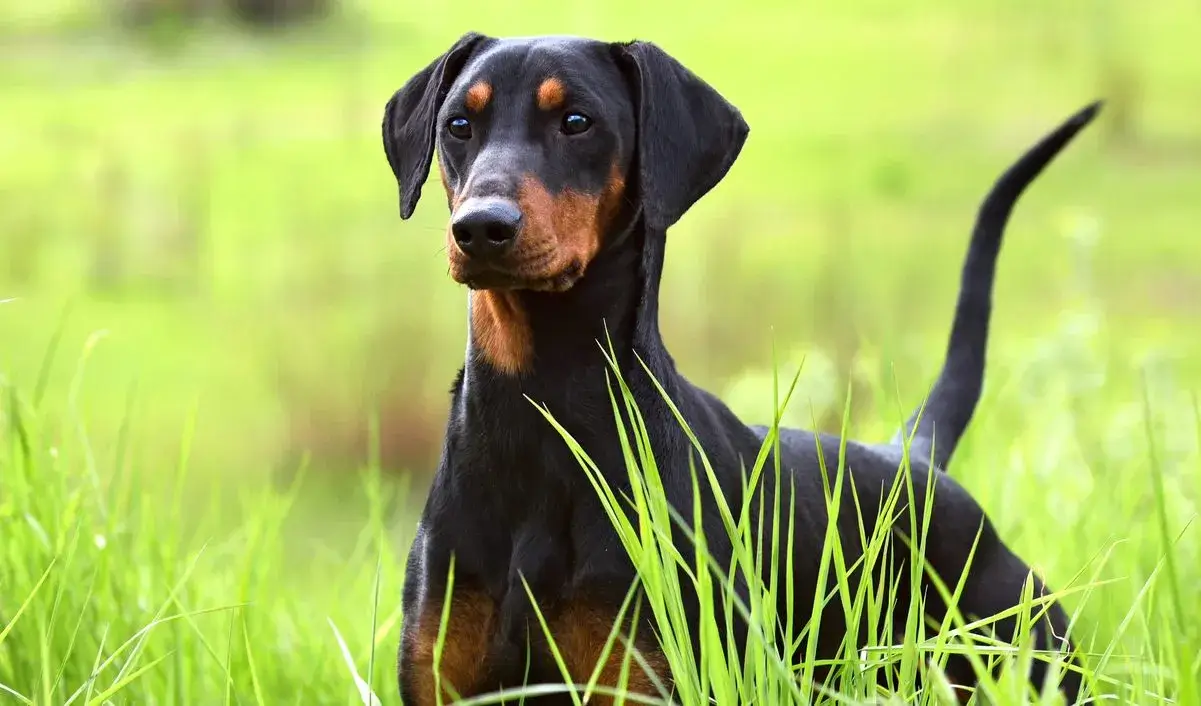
565 161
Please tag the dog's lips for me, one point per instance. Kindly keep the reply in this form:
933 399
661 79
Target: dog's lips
489 279
495 278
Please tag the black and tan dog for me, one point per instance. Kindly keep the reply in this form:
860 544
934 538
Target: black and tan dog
565 161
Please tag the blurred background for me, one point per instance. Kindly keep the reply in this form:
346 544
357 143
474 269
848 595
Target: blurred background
196 213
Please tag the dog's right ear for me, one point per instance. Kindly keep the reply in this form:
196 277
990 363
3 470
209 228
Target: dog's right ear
409 120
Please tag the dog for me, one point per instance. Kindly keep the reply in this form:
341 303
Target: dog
565 161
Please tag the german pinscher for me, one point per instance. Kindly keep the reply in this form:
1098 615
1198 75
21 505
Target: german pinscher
565 161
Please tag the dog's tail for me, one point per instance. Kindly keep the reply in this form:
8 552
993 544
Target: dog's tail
953 398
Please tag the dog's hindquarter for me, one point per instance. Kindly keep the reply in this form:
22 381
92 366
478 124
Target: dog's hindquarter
931 526
931 522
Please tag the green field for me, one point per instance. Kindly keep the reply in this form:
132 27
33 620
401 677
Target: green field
206 288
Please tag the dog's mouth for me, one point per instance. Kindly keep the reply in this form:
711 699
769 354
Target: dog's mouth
492 278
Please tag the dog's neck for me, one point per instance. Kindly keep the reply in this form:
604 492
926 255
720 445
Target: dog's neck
612 308
538 341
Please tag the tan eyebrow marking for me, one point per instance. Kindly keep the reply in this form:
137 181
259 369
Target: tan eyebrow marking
551 94
478 96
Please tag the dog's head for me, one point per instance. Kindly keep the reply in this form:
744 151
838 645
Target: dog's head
547 145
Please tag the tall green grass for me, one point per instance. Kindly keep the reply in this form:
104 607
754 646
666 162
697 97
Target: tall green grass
775 670
128 585
232 195
111 592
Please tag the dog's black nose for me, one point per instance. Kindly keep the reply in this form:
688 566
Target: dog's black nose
486 227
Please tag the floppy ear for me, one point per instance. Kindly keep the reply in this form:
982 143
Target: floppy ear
409 120
688 134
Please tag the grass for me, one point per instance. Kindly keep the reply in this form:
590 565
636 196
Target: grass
210 502
109 598
232 194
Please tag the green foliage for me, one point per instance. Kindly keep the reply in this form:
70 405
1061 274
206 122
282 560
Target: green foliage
168 19
225 212
216 227
105 594
108 592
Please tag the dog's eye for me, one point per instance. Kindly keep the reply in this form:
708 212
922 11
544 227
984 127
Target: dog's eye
575 123
459 128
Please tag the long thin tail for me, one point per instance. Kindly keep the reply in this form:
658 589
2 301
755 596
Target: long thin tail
953 399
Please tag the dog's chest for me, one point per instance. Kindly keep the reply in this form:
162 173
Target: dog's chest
564 557
513 541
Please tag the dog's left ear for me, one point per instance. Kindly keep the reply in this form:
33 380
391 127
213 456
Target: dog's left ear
409 120
688 134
